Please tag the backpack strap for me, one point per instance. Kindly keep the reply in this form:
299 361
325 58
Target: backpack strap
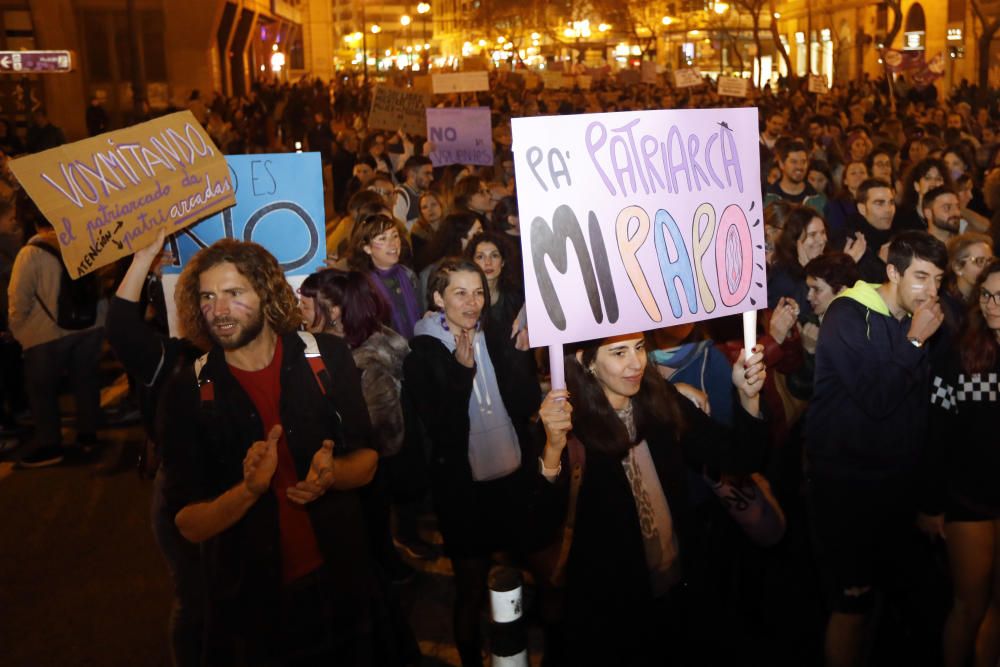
42 245
315 360
577 463
206 390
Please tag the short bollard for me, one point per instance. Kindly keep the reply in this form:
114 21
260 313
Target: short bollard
509 644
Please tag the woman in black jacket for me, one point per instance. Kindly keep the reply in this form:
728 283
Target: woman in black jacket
965 461
632 574
478 431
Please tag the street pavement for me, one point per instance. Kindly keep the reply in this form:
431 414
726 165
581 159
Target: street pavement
82 582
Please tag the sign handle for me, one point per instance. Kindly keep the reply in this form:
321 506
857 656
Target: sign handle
749 332
557 371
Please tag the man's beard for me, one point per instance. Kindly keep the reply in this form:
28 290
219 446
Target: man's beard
951 224
247 334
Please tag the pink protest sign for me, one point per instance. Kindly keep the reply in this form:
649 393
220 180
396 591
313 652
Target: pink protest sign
460 136
638 220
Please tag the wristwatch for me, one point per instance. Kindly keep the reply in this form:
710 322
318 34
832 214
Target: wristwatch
915 342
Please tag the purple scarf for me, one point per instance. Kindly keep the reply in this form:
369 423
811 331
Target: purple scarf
404 311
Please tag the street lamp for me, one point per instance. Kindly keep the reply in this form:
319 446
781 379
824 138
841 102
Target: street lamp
405 21
376 29
424 8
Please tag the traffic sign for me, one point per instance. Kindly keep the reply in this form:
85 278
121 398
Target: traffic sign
35 62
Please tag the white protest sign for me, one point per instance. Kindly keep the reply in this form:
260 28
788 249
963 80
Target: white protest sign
817 84
689 77
633 221
733 86
461 82
647 72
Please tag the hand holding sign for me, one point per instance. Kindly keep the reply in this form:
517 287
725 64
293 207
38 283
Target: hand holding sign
109 195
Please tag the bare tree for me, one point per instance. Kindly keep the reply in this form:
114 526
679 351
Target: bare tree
755 8
778 44
637 18
985 38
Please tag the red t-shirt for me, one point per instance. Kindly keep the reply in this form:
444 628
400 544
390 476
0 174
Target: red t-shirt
300 553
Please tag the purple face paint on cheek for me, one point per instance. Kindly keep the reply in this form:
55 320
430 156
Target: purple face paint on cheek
206 308
242 306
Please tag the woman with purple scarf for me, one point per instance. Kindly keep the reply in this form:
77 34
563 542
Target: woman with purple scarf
376 246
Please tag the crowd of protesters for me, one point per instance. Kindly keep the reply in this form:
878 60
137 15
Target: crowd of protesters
827 497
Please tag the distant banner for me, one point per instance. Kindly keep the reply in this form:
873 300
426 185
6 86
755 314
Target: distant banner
397 108
733 86
647 72
900 61
460 136
817 84
461 82
633 221
932 70
279 204
109 195
553 80
689 77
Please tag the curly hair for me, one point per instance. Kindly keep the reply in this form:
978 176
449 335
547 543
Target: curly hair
279 306
510 274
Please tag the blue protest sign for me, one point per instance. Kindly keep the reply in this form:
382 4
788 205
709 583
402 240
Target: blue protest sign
279 204
460 136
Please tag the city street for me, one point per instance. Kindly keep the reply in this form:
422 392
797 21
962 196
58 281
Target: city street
82 583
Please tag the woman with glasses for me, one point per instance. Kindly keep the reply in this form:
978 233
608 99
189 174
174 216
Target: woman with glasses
965 402
375 249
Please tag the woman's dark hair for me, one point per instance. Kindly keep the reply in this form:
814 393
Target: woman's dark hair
447 240
465 190
363 234
822 167
786 252
883 149
509 280
363 309
918 171
364 200
656 404
440 278
505 208
962 151
979 348
369 141
836 269
366 158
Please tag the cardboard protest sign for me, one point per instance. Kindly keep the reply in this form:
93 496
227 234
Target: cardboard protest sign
733 86
395 108
638 220
109 195
628 77
647 72
461 82
688 77
279 204
817 84
460 136
553 80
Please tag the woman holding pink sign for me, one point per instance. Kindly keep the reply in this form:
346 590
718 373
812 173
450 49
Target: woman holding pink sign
635 585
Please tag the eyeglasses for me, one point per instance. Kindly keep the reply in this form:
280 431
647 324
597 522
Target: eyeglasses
978 261
985 297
